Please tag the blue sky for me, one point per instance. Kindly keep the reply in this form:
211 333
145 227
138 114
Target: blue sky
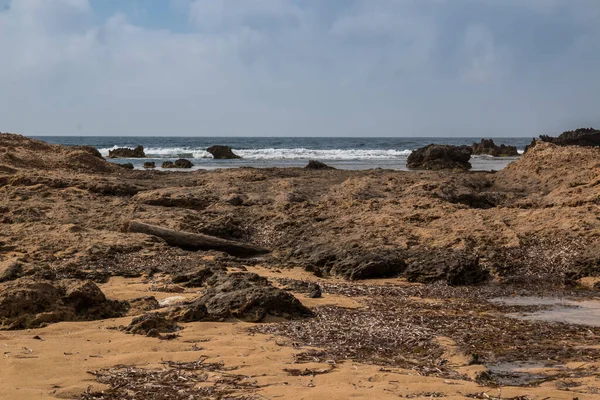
299 67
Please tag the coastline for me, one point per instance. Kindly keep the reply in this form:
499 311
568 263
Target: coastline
412 329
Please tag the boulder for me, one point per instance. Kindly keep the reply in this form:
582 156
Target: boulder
488 147
245 296
125 165
199 277
222 152
181 163
313 164
149 164
150 324
579 137
26 304
438 156
311 289
356 263
455 267
124 152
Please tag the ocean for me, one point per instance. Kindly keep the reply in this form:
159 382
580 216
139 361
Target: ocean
261 152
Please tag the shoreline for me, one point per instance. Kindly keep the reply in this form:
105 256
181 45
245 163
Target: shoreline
407 266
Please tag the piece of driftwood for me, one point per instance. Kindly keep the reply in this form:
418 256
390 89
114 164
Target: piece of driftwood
196 241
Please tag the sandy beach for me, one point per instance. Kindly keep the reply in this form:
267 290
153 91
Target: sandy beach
352 284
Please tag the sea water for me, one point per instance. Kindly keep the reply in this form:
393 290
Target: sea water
343 153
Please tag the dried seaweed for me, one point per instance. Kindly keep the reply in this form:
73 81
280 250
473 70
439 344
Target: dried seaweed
175 381
393 328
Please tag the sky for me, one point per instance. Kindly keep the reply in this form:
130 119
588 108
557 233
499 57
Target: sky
299 67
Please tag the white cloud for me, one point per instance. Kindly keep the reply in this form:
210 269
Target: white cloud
271 67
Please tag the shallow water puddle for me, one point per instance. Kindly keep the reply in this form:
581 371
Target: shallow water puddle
584 312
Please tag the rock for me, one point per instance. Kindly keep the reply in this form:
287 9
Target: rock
143 304
579 137
311 289
222 152
245 296
89 149
25 304
10 270
436 157
151 323
198 277
355 263
181 163
488 147
149 164
454 267
313 164
124 152
530 145
126 165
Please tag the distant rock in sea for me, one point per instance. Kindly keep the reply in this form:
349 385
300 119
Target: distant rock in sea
488 147
181 163
439 156
578 137
124 152
222 153
313 164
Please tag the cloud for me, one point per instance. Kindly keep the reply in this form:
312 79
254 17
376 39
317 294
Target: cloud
301 67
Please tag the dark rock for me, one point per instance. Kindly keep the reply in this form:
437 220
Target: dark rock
454 267
313 164
124 152
436 157
578 137
149 164
28 305
244 296
198 277
126 165
150 324
488 147
311 289
356 263
222 152
181 163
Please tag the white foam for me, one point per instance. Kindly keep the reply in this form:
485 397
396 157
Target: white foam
277 154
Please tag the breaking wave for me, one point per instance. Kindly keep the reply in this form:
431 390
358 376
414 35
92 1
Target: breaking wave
277 154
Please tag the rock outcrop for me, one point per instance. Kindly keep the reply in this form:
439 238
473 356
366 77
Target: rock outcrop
222 152
124 152
126 165
488 147
454 267
181 163
34 304
149 164
245 296
313 164
578 137
437 157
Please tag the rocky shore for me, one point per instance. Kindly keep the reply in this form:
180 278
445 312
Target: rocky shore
119 283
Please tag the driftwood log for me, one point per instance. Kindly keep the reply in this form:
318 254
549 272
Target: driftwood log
195 241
